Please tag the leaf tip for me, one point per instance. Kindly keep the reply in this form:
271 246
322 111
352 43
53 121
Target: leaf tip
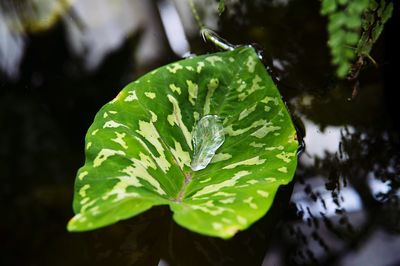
74 224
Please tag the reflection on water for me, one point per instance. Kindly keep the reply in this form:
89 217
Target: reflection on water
19 17
32 16
320 203
94 32
319 142
93 28
173 28
354 213
342 209
12 45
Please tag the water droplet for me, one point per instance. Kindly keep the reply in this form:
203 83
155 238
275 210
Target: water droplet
208 136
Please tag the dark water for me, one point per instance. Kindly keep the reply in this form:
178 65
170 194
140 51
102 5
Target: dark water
342 208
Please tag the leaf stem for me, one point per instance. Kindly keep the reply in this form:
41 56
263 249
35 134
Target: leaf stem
212 36
188 178
195 14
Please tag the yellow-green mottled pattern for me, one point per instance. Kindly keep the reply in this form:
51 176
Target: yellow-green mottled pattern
139 149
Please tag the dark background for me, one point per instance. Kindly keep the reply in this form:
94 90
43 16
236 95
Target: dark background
342 208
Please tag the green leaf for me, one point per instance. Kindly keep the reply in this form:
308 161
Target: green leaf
343 27
387 12
328 6
139 147
373 24
221 6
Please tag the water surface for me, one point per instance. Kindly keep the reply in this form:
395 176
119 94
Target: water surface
341 209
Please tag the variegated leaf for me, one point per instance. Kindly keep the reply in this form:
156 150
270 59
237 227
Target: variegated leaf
139 148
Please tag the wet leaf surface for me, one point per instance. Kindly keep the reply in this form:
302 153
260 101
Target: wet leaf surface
139 148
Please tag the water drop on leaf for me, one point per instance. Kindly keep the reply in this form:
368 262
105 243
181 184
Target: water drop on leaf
208 136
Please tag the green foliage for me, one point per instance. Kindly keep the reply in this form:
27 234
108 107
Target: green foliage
344 24
374 20
33 16
139 147
353 28
221 6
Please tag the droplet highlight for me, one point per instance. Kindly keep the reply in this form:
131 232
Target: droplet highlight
208 136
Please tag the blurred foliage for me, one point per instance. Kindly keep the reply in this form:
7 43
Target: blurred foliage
372 26
344 24
221 6
353 28
33 15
